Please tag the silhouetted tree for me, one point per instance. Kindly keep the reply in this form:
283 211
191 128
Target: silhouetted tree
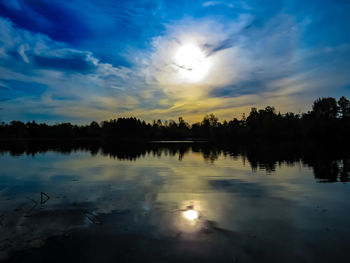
328 121
325 108
210 120
344 106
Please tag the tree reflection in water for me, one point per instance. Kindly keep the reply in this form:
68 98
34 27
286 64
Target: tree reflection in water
328 162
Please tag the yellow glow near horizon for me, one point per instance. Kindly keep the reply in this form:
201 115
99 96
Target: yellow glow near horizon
191 62
191 214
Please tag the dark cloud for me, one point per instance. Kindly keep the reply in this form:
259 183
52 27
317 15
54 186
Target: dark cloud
17 88
70 61
239 89
254 83
74 62
229 42
3 88
26 52
226 44
303 46
53 18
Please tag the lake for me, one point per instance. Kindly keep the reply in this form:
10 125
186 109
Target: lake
173 202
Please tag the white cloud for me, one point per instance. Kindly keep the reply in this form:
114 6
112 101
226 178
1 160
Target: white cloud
70 91
216 3
251 65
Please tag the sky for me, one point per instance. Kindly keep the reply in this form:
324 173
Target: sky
84 60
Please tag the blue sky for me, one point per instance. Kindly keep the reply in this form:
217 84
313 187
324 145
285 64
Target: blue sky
84 60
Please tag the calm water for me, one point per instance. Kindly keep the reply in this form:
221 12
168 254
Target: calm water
129 206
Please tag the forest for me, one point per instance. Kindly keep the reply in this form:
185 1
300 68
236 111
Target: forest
329 120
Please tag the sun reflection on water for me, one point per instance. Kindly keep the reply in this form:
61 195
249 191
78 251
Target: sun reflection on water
190 219
191 214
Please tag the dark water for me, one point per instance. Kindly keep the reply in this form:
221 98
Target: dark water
129 204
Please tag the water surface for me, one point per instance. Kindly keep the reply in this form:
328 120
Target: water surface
129 205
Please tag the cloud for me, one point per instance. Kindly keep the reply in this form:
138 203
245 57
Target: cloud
217 3
238 55
44 77
251 65
40 51
122 61
59 21
69 62
14 4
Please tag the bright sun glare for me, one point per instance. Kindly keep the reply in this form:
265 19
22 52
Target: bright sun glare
191 214
191 62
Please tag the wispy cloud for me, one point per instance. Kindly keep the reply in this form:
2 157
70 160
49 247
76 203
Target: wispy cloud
71 78
120 61
217 3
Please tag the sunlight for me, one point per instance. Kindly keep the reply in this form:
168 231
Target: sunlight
191 62
191 214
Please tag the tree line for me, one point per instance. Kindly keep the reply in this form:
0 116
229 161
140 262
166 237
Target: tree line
329 120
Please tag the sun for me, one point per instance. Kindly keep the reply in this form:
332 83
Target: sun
191 62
